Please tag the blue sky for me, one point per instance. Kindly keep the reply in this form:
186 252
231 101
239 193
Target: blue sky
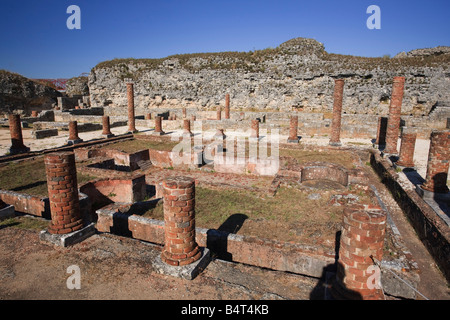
37 44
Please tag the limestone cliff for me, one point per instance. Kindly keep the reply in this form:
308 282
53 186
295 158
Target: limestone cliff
297 75
19 94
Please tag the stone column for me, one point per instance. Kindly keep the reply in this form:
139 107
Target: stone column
187 128
362 236
438 162
63 193
130 97
219 112
180 247
337 112
255 129
380 140
73 133
106 127
227 106
158 126
15 130
407 146
293 134
395 108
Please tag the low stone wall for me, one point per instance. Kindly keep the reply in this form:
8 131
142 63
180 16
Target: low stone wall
45 133
430 228
37 206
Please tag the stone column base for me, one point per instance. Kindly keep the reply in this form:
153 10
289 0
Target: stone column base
68 239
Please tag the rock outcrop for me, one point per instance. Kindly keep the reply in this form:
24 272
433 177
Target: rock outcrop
297 75
22 95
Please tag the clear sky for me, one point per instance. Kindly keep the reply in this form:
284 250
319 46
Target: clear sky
36 42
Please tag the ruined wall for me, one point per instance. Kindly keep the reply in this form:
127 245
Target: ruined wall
297 75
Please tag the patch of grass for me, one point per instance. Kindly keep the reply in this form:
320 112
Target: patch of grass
25 177
344 159
25 222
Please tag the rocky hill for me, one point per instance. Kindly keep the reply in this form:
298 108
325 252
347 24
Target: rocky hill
21 95
297 75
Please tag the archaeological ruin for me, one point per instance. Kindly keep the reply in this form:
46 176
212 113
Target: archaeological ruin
303 183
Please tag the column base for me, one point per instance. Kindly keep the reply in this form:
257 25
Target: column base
76 141
68 239
188 272
293 140
16 150
430 195
335 143
158 133
107 136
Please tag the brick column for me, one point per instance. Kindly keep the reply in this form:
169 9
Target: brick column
227 106
395 109
187 128
219 112
255 129
337 112
381 132
73 133
63 193
180 247
15 130
130 97
106 127
158 126
438 162
148 116
293 134
362 236
184 113
407 146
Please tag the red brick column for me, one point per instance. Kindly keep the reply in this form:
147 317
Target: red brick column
407 146
362 236
219 113
184 113
63 193
106 126
15 130
180 247
395 109
130 97
293 132
438 162
255 129
227 106
187 128
337 112
381 132
73 132
158 126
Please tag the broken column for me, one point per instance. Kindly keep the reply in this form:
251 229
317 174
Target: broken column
130 97
158 126
438 162
227 106
380 141
337 112
73 133
180 247
407 147
15 130
187 128
293 134
64 201
255 129
362 238
395 108
106 127
219 112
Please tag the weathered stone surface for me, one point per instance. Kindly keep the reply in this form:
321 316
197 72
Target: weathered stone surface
297 75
